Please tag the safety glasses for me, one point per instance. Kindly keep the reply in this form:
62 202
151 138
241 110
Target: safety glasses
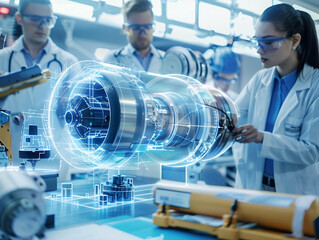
138 29
268 44
37 20
225 80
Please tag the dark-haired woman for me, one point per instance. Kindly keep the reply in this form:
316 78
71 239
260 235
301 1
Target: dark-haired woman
279 107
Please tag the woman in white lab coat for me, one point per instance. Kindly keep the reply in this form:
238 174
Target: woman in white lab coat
279 108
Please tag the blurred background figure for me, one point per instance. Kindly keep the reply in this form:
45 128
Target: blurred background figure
138 25
15 33
225 67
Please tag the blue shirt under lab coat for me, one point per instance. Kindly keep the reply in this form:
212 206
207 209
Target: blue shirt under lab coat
282 87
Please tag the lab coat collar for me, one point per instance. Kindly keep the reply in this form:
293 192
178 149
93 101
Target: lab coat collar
303 80
18 57
129 50
268 81
50 47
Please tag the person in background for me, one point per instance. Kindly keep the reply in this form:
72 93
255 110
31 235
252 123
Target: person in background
139 53
15 33
225 66
278 126
34 46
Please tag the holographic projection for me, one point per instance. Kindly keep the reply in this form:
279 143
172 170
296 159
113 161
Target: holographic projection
34 141
105 116
118 191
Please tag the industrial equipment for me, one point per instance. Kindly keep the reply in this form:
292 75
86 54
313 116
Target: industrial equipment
26 77
228 213
22 208
9 84
115 116
5 138
185 61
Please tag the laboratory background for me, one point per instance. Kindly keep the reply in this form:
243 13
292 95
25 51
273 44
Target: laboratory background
159 119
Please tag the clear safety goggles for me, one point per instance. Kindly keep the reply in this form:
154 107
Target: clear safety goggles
225 80
268 44
138 29
37 20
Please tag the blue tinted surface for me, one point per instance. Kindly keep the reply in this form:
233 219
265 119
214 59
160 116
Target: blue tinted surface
81 209
134 218
144 228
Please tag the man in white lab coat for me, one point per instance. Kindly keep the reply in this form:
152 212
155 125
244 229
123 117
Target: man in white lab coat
139 53
33 47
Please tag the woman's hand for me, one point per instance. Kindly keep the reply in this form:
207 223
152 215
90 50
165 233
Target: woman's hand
247 134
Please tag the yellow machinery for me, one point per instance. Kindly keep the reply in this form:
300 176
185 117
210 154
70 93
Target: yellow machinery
10 84
27 77
275 216
5 135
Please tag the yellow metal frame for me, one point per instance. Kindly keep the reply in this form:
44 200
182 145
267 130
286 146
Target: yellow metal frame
5 134
274 222
164 219
5 139
5 91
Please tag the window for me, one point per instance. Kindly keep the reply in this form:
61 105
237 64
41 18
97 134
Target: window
315 16
225 1
186 35
78 10
157 7
115 3
159 30
215 18
243 26
254 6
181 10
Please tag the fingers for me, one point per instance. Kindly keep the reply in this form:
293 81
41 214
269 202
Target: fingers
247 134
241 131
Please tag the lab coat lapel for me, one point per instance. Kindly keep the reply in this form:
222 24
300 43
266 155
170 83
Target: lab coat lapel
291 101
18 60
262 100
155 64
51 49
132 61
18 57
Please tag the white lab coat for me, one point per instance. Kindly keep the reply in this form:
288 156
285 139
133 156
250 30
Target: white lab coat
33 98
125 58
294 143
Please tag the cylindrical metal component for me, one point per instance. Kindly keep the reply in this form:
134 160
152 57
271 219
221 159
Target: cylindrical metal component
22 208
270 210
185 61
115 116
